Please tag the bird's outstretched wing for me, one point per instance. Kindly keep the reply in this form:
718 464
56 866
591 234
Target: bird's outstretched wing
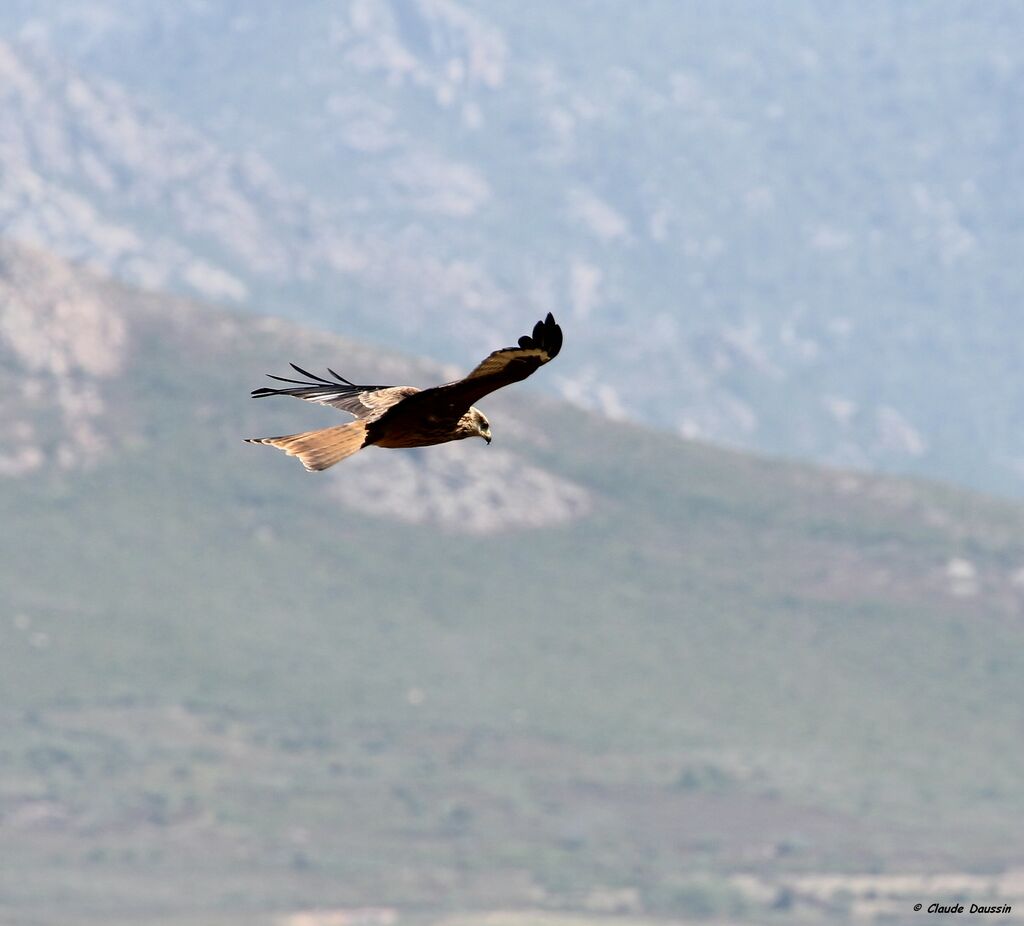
501 367
360 401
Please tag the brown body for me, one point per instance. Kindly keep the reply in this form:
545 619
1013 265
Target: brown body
404 416
426 434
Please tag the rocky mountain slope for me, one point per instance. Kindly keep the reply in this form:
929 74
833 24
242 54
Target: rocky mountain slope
793 232
67 338
591 667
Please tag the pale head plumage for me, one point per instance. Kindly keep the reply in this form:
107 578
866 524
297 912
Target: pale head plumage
474 424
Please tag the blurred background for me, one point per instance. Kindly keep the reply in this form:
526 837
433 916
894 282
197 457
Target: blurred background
726 625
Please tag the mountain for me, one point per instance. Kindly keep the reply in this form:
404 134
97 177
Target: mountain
792 230
592 667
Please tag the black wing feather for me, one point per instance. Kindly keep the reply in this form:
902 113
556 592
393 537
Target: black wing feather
340 378
282 379
498 369
309 375
347 396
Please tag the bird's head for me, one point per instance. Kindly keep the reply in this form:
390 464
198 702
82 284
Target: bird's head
478 425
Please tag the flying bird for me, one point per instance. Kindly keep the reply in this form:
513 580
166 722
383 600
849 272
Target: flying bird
404 416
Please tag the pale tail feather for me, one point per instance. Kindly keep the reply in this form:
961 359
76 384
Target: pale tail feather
319 449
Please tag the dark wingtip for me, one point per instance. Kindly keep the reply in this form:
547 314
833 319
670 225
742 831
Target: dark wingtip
339 377
550 335
299 369
555 344
546 335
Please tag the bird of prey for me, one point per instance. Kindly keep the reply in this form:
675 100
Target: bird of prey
404 416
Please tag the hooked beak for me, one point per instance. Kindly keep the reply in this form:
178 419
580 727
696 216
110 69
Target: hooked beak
488 439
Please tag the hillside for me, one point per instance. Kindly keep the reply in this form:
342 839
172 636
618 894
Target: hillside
793 230
590 667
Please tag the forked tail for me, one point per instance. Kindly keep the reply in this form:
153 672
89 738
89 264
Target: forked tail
319 449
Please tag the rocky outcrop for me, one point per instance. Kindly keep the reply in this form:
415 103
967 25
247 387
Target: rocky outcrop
463 487
60 344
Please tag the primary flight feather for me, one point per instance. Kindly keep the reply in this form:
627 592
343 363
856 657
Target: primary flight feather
404 416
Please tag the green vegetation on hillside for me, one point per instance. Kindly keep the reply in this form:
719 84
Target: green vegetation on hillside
224 693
